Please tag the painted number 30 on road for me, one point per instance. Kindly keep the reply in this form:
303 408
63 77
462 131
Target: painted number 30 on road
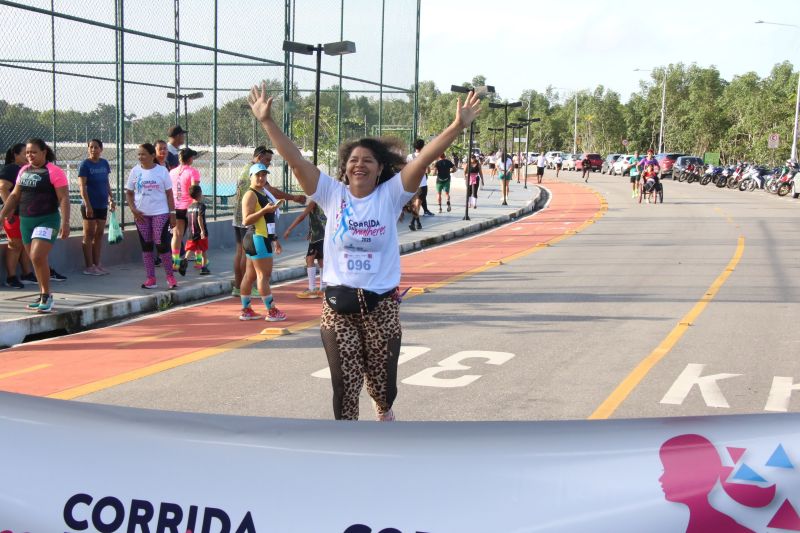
432 376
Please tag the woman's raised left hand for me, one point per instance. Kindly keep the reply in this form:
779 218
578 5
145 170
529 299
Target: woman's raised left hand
467 112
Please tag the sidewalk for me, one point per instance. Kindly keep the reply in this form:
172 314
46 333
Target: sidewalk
85 301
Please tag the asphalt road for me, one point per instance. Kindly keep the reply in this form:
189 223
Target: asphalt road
678 309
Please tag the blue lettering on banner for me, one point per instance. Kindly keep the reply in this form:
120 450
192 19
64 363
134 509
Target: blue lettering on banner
108 515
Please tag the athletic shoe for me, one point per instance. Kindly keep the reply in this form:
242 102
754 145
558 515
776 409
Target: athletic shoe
412 227
504 203
29 278
249 314
47 305
92 271
101 271
55 276
440 209
205 271
419 224
172 283
448 207
35 305
236 291
182 266
150 283
14 283
308 294
429 213
388 416
275 315
320 293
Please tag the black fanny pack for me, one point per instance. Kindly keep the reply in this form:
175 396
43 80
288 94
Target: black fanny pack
345 300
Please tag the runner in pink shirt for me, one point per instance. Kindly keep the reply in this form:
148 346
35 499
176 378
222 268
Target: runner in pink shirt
183 177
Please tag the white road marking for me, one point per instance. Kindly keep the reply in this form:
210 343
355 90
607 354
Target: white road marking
780 394
407 353
708 386
427 377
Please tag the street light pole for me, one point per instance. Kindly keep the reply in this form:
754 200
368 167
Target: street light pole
332 49
797 98
185 98
479 91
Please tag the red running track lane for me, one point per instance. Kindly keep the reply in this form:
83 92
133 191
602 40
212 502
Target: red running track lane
75 365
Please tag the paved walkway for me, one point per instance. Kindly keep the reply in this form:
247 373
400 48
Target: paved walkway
85 301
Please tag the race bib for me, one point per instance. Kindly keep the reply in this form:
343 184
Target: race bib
271 228
360 262
42 232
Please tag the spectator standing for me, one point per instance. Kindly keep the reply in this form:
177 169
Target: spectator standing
177 137
444 168
15 252
360 324
182 177
316 252
262 155
198 231
40 192
149 195
96 200
540 164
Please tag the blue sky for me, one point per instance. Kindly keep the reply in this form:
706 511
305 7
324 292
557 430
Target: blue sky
578 44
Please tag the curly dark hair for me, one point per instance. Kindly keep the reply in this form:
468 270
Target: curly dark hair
384 150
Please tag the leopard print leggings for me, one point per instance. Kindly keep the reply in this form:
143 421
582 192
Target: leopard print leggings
362 346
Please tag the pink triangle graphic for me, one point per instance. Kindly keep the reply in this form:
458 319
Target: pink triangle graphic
736 453
786 518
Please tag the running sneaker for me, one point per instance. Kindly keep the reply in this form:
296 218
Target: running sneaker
275 315
412 227
236 291
172 283
419 224
35 305
448 207
308 294
55 276
182 266
92 271
249 314
388 416
29 278
14 283
205 271
47 304
102 271
150 283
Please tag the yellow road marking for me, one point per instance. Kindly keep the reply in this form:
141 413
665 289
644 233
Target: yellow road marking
633 379
146 339
89 388
23 371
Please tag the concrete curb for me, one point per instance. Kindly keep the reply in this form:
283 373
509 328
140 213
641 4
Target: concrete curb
15 331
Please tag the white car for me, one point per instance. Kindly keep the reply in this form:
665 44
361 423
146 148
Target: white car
569 161
621 165
550 157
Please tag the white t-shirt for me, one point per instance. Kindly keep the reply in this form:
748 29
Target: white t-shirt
361 246
409 159
542 161
559 160
149 188
504 165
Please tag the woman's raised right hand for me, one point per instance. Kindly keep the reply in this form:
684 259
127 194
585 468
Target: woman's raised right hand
260 104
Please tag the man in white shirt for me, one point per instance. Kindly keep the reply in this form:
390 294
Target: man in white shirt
540 164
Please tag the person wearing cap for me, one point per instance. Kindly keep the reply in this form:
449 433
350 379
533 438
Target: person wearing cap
177 136
183 177
262 155
260 243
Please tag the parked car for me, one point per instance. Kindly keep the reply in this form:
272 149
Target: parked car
622 165
608 163
666 161
595 160
550 156
569 161
683 161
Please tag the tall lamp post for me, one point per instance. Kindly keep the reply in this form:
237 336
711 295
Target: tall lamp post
185 98
479 91
494 135
332 49
514 126
663 106
505 107
797 98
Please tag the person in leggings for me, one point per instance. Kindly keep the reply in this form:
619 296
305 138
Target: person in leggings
474 174
360 323
149 195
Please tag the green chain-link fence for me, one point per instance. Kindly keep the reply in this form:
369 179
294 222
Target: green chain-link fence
110 69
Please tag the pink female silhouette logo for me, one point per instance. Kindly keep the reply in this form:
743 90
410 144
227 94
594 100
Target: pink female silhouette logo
692 467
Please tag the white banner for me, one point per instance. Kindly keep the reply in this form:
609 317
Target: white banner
73 467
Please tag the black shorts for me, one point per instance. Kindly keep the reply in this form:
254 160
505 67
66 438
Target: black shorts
180 214
491 166
315 250
634 179
540 171
99 214
239 232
